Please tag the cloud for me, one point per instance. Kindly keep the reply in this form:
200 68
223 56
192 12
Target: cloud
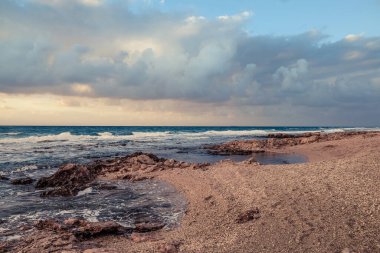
102 49
93 3
236 18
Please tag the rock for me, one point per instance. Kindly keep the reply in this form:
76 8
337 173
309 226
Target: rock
248 215
22 181
60 192
4 178
100 250
148 227
3 247
172 247
169 163
226 151
106 187
184 165
49 224
135 167
96 229
72 222
46 241
151 168
139 178
251 160
68 180
275 141
143 158
197 166
82 229
137 237
146 159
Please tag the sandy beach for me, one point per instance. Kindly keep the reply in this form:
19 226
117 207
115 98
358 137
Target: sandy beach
329 204
189 126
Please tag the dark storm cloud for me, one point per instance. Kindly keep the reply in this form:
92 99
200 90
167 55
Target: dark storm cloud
51 46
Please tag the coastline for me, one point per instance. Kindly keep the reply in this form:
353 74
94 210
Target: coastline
329 204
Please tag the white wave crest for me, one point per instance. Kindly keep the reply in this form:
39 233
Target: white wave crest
65 136
11 133
108 136
238 133
85 191
150 134
105 134
44 138
26 168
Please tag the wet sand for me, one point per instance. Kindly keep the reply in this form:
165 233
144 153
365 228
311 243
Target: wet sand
329 204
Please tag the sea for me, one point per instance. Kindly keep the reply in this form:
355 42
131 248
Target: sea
37 151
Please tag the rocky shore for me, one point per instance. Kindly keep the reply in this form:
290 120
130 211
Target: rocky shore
277 141
73 178
330 204
69 180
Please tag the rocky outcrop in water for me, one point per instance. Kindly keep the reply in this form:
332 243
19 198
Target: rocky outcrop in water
68 180
22 181
276 141
73 178
4 178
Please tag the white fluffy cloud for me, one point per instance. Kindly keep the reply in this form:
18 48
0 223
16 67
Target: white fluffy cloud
101 49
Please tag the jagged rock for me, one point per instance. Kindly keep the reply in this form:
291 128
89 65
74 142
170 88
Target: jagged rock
139 178
172 247
276 141
73 178
22 181
82 229
68 174
94 229
216 150
72 222
62 192
100 250
128 177
148 159
184 165
148 227
139 237
106 187
68 180
3 178
199 166
46 241
251 160
49 224
248 215
169 163
4 247
151 168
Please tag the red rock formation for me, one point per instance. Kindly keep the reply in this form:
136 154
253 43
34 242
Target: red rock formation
22 181
72 178
275 141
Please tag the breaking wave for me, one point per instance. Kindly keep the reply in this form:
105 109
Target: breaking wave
108 136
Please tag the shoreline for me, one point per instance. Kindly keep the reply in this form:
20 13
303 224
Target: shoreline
329 204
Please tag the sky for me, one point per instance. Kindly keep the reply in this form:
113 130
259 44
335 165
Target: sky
166 62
